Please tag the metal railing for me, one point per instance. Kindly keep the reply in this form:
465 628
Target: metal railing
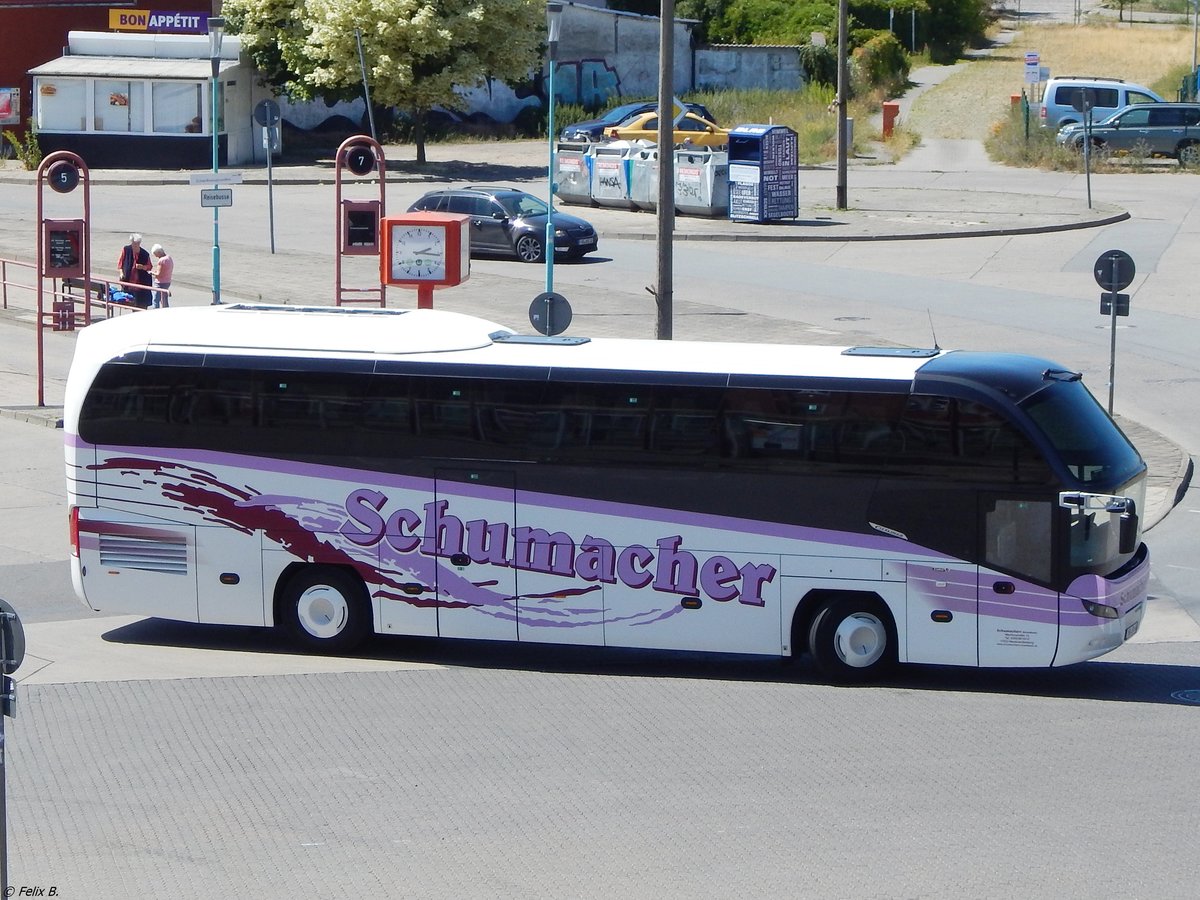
90 298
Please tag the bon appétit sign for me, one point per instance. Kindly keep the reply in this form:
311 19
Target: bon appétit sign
161 22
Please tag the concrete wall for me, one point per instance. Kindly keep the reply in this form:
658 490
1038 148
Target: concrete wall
747 67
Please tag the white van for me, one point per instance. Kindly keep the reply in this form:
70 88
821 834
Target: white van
1108 94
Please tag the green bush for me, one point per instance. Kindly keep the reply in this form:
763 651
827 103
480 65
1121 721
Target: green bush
820 63
28 151
882 62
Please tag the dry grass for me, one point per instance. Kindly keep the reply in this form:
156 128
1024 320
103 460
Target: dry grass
977 96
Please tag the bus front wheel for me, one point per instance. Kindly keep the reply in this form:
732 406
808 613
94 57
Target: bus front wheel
326 609
852 639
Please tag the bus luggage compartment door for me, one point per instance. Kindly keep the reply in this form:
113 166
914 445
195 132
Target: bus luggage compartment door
230 587
942 615
143 569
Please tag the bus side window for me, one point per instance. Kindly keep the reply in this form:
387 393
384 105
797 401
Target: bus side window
960 436
601 423
762 424
685 422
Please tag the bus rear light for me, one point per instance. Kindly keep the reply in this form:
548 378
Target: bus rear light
1101 610
73 528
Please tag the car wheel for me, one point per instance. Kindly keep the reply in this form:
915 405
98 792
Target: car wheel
852 639
1189 155
325 609
529 248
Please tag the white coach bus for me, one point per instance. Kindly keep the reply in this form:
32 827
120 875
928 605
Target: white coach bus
342 472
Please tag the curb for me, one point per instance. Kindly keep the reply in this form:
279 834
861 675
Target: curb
837 238
49 416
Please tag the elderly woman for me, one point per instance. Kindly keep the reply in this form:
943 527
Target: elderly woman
164 267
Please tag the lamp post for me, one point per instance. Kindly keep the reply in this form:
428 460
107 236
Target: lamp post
216 31
553 24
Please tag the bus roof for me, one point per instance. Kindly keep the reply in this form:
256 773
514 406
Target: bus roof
294 332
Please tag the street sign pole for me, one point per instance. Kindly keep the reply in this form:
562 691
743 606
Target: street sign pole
1112 349
267 114
1114 271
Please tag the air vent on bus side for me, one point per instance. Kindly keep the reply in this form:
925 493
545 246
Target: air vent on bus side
165 556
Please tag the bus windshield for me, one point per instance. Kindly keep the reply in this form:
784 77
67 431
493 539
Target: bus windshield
1093 449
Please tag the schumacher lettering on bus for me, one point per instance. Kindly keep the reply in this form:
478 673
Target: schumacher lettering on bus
436 532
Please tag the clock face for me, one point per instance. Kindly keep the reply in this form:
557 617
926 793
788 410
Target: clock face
419 252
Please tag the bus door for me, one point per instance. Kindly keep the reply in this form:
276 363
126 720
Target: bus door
942 617
1019 622
470 530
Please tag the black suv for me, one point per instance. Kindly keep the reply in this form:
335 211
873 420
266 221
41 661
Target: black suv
509 222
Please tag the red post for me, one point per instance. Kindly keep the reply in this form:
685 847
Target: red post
891 110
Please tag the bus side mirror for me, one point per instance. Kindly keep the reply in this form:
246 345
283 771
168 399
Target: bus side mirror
1128 532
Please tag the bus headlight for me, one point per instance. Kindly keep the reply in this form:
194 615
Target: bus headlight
1101 610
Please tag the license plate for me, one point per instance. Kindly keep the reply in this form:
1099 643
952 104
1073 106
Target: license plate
587 240
1131 630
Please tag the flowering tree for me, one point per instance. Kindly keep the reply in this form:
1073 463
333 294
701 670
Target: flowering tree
417 52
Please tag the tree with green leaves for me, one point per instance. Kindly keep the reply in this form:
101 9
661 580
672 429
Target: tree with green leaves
417 52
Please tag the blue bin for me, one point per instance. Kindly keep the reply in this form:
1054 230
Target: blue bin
764 173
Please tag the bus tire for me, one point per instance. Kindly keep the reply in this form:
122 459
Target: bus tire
326 609
852 638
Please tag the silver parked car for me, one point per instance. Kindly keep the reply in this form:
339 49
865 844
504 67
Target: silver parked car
1154 129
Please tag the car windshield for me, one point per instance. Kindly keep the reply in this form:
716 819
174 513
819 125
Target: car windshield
521 205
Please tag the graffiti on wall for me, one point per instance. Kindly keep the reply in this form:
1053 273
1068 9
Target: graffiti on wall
591 83
586 82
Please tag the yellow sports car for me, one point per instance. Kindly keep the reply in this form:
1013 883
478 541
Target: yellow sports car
691 129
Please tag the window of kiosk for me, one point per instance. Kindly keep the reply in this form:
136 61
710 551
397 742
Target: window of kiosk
177 107
118 106
61 104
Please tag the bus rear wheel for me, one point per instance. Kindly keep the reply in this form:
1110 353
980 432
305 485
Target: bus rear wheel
326 609
852 639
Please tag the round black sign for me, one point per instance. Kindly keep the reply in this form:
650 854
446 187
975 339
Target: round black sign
63 176
550 313
1083 99
1114 270
266 113
360 159
14 639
